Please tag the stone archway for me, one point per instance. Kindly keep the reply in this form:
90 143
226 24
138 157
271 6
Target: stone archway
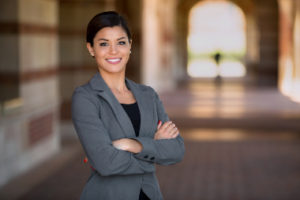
262 37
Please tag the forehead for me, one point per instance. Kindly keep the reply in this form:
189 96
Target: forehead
114 32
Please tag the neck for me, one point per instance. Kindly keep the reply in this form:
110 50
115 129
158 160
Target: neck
115 82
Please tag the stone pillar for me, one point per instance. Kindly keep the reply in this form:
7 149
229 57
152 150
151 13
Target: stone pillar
29 130
289 68
9 68
296 36
267 21
252 52
158 43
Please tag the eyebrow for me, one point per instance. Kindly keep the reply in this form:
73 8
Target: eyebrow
102 39
121 38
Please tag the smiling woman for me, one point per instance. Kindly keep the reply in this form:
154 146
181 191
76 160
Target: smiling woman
122 125
111 49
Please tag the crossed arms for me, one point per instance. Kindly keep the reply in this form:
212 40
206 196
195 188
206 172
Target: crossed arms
127 155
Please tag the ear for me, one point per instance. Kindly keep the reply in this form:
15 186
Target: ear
130 44
90 49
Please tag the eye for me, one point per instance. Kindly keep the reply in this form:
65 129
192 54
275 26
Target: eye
122 43
103 44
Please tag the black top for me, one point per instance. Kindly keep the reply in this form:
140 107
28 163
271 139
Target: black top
133 112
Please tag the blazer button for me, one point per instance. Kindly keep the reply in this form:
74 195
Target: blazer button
152 158
146 156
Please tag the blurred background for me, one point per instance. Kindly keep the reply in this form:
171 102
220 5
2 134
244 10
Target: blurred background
227 71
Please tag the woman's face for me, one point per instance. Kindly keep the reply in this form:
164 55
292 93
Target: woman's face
111 49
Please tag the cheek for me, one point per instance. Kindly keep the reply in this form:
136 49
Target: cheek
126 52
101 52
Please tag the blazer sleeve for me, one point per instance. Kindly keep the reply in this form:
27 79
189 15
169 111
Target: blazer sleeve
163 151
102 155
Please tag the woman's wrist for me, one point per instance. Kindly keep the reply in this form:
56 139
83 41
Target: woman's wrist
134 146
130 145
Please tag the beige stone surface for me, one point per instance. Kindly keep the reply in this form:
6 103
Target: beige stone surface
17 165
155 72
69 81
73 51
39 12
38 52
39 94
16 155
81 13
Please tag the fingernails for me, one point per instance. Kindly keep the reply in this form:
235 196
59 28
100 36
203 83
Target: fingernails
85 160
159 122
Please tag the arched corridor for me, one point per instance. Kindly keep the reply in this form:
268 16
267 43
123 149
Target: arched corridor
216 40
242 135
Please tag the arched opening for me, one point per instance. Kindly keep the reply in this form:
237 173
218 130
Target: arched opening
216 40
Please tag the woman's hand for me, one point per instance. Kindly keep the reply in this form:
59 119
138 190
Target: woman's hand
127 144
168 130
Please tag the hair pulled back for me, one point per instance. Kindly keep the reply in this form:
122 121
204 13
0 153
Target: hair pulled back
105 19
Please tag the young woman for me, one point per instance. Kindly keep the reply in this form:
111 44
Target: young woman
121 125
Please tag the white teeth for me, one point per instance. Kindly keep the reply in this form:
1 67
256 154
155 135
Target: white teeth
114 60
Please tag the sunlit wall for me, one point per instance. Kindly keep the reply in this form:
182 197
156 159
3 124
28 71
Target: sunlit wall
216 40
289 62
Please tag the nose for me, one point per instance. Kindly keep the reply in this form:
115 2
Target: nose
113 49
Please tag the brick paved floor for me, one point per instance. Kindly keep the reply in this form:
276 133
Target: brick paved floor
239 170
253 169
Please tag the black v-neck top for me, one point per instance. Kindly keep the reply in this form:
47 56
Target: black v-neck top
133 112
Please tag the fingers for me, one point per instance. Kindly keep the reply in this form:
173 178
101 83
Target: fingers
85 160
159 124
174 133
168 130
169 126
166 125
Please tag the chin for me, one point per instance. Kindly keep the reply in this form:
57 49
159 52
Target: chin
113 71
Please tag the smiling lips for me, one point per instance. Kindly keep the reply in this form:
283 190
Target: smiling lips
114 60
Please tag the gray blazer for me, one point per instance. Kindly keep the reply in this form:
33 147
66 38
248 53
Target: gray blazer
99 119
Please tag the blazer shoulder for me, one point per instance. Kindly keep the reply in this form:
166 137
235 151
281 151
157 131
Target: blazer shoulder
80 90
142 87
83 92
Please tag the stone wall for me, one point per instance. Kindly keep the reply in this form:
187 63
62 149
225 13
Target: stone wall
29 130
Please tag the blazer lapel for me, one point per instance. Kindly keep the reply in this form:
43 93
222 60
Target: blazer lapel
103 91
145 104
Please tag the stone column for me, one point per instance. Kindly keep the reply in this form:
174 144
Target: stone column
267 21
296 37
29 130
158 43
289 62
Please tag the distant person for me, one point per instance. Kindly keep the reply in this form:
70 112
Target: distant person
121 125
217 57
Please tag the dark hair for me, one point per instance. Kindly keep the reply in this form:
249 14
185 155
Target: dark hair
102 20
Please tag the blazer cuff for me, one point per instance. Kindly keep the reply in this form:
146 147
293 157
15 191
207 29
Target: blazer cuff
148 152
